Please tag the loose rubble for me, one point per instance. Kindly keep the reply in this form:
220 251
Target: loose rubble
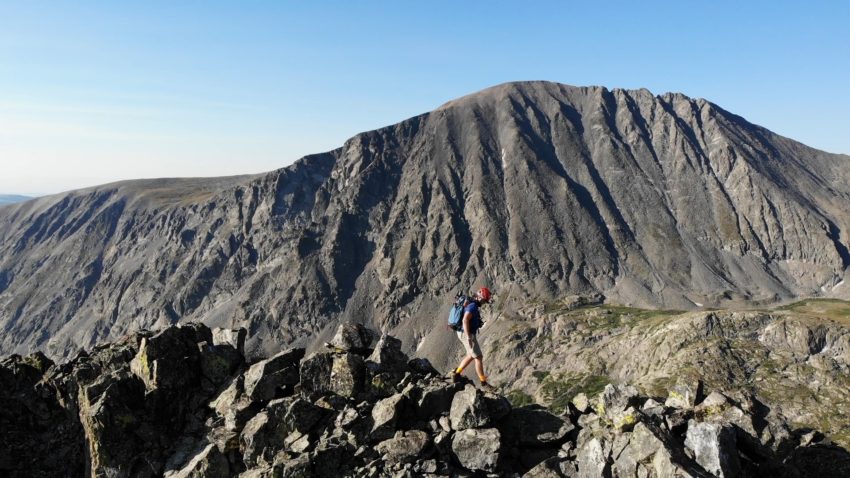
184 403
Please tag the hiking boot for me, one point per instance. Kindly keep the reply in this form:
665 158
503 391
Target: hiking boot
454 376
487 387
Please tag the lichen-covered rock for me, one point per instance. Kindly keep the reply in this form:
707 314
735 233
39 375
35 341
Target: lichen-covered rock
549 468
581 402
113 418
614 399
422 366
477 448
168 359
432 397
343 374
684 394
218 362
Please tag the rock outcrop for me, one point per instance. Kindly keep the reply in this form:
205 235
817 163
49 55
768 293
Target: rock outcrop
147 406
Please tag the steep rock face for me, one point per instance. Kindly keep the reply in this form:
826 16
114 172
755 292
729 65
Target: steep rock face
536 189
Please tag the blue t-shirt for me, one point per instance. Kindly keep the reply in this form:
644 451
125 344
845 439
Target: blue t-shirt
475 320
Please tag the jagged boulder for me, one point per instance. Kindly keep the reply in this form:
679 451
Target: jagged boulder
477 448
714 448
352 337
385 414
404 447
168 359
422 366
340 373
593 459
208 462
685 394
233 337
273 425
469 409
615 399
263 378
432 397
116 429
387 355
218 362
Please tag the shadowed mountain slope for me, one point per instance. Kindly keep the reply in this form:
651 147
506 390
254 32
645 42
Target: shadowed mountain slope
537 189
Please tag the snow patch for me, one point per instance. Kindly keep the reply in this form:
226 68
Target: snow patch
838 285
504 156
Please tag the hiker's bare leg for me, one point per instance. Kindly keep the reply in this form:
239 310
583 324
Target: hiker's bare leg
479 366
463 363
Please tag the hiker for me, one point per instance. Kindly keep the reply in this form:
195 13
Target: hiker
467 333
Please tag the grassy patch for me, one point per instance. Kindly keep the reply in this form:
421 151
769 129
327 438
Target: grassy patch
518 398
559 389
835 309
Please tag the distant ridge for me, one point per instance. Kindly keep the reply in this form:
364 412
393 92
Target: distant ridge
12 198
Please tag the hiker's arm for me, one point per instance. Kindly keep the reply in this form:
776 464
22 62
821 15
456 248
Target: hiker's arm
467 324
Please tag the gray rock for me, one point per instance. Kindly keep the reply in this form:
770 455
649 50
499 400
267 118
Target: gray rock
581 402
388 355
352 337
343 374
469 410
477 448
297 467
208 462
592 460
422 366
615 399
714 448
642 445
404 447
384 416
265 431
264 377
431 398
550 468
232 337
218 362
166 360
684 395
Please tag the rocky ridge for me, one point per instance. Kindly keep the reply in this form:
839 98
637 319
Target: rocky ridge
795 358
538 189
183 402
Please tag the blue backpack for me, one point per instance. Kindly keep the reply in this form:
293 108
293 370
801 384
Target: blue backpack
456 313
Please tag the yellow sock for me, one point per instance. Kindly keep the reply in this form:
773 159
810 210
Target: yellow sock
483 378
459 370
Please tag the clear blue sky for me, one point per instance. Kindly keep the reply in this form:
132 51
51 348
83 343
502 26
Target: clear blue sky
96 91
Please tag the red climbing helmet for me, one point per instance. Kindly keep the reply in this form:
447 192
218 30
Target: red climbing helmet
485 294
